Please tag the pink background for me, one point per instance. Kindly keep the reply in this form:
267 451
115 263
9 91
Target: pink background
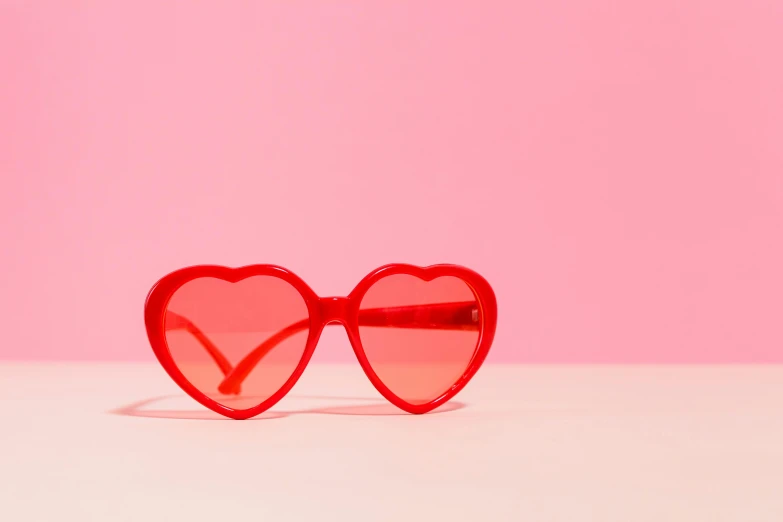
615 169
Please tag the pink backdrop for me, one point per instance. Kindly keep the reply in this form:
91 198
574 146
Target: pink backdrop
615 169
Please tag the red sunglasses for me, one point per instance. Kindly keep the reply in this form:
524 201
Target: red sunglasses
237 340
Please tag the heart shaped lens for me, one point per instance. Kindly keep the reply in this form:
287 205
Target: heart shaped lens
419 336
237 343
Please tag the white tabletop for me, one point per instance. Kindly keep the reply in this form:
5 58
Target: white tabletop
548 443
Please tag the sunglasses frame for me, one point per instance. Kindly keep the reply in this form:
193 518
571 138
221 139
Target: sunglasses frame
321 311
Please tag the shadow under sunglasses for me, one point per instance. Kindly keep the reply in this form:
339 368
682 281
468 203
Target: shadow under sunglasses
146 408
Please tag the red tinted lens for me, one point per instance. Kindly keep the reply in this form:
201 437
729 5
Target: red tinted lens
419 336
238 343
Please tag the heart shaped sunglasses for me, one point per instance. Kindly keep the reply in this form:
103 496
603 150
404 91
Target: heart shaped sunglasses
238 339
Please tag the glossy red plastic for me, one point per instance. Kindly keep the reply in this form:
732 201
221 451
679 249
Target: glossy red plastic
478 315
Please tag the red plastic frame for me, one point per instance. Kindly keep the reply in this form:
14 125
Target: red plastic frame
322 311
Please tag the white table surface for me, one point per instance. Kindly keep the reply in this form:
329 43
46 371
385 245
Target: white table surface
540 443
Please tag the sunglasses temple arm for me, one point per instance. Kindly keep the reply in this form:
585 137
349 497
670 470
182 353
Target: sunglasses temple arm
441 316
233 380
177 322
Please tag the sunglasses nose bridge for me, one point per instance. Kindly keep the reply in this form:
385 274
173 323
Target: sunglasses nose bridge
334 309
